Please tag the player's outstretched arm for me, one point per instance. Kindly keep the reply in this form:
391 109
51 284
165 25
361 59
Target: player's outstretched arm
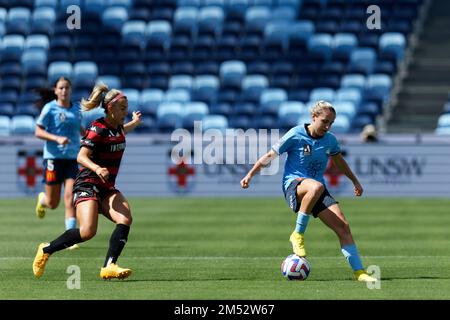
345 169
135 121
262 162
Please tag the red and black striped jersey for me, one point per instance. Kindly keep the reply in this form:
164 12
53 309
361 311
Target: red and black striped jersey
107 147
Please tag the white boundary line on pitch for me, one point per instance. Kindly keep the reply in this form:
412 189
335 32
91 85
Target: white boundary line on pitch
224 258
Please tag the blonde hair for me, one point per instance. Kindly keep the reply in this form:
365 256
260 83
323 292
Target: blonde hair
321 105
100 95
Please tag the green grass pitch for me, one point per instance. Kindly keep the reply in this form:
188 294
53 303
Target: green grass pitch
232 248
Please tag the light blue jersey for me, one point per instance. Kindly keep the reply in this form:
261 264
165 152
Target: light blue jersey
64 122
307 156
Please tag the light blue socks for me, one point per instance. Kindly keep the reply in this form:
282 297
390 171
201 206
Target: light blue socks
350 253
71 223
302 222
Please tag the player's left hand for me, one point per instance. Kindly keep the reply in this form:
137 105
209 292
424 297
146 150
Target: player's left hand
358 189
136 117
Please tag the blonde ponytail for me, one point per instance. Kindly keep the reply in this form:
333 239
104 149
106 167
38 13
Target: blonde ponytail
96 98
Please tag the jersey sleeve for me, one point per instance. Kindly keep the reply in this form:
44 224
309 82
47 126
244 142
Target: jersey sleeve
286 142
44 117
335 147
91 138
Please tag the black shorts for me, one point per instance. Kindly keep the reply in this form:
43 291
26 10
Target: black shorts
87 191
325 200
56 171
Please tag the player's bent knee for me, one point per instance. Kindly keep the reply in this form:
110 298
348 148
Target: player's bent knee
317 188
53 204
87 233
126 220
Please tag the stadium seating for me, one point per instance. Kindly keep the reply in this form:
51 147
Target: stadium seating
244 59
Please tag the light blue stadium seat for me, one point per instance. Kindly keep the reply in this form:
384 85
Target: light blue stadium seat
169 116
210 20
12 47
133 96
37 41
276 38
3 15
193 111
349 94
270 100
392 45
188 3
158 33
318 94
34 62
266 3
215 121
378 87
22 125
18 21
177 95
181 82
59 69
347 108
443 120
43 21
185 20
5 126
342 124
88 116
256 18
84 74
252 87
113 82
357 81
149 101
320 46
289 113
291 109
343 45
119 3
114 17
46 3
133 32
362 60
283 13
205 88
232 72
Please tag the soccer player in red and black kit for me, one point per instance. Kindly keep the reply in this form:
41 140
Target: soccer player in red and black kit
94 191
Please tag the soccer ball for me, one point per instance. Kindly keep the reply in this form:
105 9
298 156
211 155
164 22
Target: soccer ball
295 268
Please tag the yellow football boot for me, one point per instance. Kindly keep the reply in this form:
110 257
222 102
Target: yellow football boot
40 209
40 260
361 275
73 247
113 271
298 245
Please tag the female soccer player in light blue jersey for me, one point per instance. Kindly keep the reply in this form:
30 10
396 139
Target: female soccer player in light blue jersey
308 147
59 124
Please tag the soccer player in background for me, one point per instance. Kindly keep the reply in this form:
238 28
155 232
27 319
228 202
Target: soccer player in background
94 191
59 124
309 146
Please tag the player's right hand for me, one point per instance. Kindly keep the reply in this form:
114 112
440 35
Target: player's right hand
62 140
245 183
103 174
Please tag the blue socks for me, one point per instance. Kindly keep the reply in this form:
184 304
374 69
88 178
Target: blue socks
302 222
350 253
71 223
